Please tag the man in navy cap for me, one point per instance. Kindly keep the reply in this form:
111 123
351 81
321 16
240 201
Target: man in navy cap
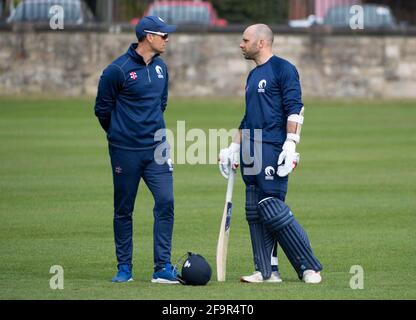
132 96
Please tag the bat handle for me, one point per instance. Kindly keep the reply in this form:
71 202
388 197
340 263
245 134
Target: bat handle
230 186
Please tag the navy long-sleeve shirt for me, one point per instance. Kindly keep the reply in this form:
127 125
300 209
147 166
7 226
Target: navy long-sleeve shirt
273 93
131 99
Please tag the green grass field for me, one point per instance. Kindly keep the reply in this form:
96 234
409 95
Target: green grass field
354 192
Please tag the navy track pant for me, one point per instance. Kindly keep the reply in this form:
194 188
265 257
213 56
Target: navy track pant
129 167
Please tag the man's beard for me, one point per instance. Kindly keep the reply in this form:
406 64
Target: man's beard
248 56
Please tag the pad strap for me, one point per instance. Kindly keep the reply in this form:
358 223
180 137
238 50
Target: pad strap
293 137
298 119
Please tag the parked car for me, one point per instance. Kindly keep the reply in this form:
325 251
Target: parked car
310 21
375 16
184 13
75 11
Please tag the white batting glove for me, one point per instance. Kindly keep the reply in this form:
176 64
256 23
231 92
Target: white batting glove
288 159
229 158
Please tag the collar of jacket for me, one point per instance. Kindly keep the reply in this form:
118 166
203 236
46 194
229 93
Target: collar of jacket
137 57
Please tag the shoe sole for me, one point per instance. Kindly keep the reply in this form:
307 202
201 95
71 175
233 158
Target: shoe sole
274 281
247 281
312 282
130 280
263 281
164 281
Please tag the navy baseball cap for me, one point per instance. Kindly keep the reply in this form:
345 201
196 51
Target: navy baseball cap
154 24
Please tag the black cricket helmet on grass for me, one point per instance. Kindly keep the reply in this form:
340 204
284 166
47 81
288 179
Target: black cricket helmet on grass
196 271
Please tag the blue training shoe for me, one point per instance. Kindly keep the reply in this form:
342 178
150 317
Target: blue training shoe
167 275
123 274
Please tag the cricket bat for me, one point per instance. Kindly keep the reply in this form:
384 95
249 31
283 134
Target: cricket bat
224 235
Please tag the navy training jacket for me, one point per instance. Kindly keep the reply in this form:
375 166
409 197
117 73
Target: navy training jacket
131 99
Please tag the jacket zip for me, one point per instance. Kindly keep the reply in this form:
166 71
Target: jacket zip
148 74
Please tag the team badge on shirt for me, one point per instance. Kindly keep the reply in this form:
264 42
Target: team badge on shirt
269 173
262 86
133 75
159 72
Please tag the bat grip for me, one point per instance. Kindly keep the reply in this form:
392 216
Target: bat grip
230 185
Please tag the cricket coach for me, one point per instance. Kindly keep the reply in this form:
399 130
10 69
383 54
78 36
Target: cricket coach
274 108
132 96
